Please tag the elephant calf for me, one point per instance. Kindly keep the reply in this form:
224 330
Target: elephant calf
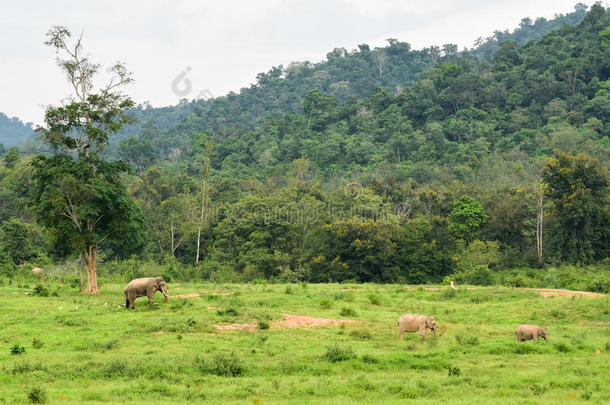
416 323
144 287
529 332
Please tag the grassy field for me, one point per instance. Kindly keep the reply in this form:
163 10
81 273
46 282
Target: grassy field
69 348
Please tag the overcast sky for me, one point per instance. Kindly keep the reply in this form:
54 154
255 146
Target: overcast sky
220 46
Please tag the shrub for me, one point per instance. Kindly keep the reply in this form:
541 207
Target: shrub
191 322
288 290
262 325
562 347
448 294
326 304
453 371
228 312
17 349
221 364
374 299
37 343
368 359
363 334
336 353
41 290
537 389
467 341
37 396
347 311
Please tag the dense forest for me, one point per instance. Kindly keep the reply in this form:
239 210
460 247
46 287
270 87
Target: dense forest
382 165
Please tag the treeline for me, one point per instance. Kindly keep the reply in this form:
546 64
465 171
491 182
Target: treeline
476 167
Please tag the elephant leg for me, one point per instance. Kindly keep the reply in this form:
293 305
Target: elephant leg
536 338
424 334
132 303
400 333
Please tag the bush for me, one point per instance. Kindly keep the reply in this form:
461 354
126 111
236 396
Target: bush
37 343
326 304
37 396
363 334
453 371
17 349
368 359
41 290
467 341
262 325
336 353
374 299
221 364
347 311
228 312
537 389
562 347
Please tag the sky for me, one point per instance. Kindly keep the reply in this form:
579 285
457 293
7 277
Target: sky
190 49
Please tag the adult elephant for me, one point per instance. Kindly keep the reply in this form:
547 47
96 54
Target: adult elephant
416 323
144 287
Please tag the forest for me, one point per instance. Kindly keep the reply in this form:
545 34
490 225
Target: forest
389 165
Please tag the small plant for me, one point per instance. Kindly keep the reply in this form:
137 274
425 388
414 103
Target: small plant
37 396
537 389
363 334
607 346
467 341
262 325
17 349
562 347
191 322
228 312
453 371
326 304
586 395
347 311
41 290
374 299
221 364
288 290
179 337
448 294
336 353
37 343
368 359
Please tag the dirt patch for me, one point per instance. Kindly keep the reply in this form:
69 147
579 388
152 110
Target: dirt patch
304 321
550 292
289 321
197 295
191 295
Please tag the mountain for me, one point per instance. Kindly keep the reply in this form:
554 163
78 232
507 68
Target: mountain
13 131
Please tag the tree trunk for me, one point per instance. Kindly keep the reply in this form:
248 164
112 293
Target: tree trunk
539 220
92 287
82 272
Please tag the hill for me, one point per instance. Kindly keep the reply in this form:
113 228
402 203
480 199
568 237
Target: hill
14 132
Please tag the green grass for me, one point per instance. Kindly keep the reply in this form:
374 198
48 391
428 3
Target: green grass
89 349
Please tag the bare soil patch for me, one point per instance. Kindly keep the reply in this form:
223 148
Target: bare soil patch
549 292
289 321
190 295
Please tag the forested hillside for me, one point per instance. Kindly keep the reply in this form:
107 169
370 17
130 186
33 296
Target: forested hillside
13 132
344 74
434 164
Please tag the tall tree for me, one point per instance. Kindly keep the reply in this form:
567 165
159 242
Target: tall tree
79 196
578 188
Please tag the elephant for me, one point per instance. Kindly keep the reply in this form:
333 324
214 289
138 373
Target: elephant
144 287
529 332
416 323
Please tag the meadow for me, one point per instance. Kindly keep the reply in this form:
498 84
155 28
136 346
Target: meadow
59 346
